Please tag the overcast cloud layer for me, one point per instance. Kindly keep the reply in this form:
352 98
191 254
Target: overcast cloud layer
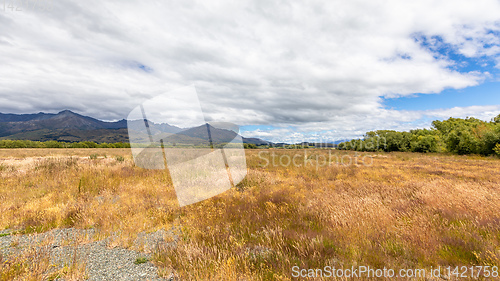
323 66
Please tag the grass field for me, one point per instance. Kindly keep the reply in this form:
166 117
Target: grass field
403 210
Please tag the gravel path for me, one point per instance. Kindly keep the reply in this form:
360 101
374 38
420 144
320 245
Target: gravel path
70 245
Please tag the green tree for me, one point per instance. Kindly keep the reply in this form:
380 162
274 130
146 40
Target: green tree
497 149
496 119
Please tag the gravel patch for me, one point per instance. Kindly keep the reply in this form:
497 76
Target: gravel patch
66 247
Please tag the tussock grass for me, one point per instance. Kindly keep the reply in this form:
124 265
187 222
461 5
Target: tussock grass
55 191
404 211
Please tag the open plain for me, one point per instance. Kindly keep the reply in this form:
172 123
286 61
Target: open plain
402 210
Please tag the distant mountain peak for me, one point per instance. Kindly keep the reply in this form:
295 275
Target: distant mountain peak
66 112
70 126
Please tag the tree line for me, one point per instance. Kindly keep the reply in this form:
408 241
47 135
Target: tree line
455 135
58 144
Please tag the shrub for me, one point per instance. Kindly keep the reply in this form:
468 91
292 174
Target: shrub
497 149
141 260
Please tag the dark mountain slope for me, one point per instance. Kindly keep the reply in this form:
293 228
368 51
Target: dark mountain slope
9 117
72 127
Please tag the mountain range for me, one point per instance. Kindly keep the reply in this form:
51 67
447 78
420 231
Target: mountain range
69 126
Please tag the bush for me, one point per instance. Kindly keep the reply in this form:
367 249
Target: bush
53 144
497 149
455 135
249 146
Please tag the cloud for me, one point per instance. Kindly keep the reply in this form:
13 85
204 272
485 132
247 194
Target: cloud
355 126
481 112
283 63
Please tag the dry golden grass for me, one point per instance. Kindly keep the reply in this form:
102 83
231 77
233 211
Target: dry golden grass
404 211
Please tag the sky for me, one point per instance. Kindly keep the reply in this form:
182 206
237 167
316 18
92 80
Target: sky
282 70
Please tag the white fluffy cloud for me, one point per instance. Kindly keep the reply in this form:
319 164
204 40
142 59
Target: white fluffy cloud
308 65
355 126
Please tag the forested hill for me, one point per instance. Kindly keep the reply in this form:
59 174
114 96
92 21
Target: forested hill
455 135
70 127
